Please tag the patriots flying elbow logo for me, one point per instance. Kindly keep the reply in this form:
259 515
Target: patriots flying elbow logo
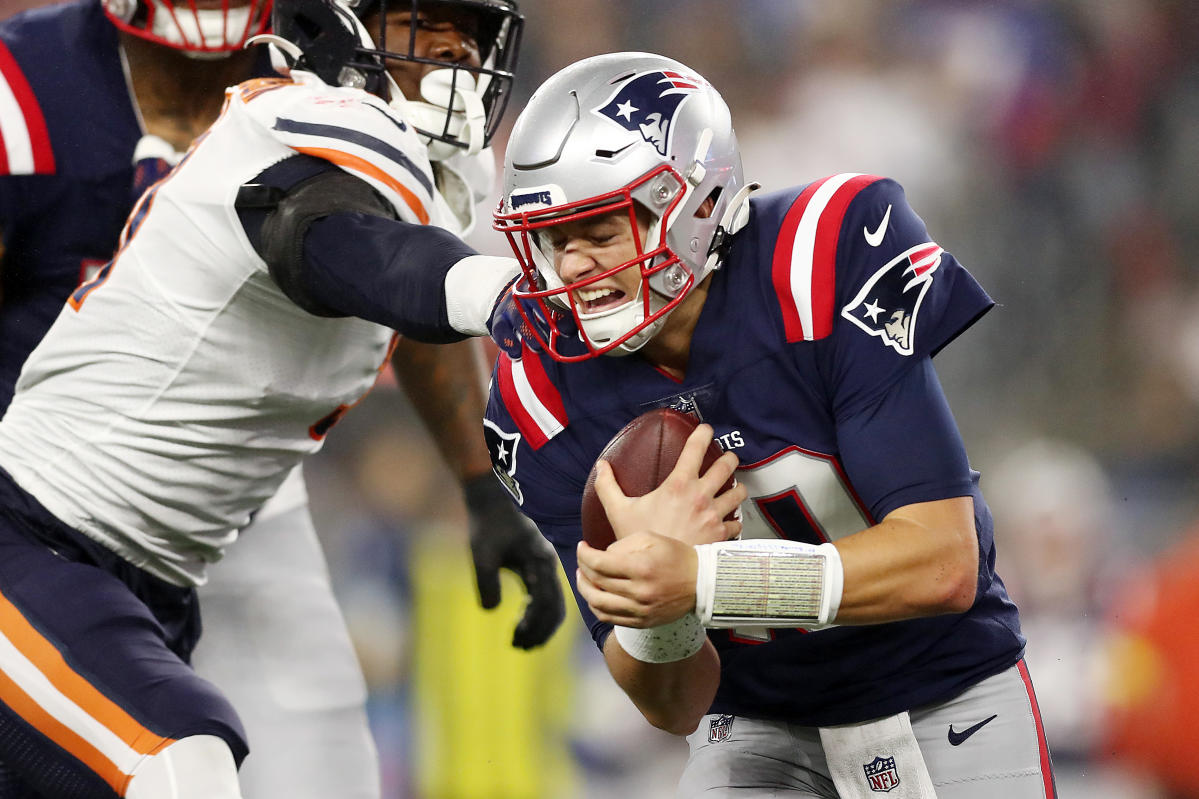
503 446
889 303
648 103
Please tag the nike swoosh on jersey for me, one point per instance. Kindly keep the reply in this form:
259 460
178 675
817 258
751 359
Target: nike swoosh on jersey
957 738
876 238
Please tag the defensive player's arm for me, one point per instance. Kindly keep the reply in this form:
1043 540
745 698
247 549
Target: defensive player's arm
445 386
336 248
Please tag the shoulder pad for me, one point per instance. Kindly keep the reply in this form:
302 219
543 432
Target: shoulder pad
350 128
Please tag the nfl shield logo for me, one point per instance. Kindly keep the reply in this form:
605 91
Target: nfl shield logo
881 774
719 729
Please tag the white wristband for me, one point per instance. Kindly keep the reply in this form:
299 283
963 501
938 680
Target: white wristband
667 643
472 287
765 582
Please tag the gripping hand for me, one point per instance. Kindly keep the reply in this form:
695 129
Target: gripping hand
501 538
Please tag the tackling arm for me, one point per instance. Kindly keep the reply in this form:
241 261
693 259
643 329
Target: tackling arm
445 386
335 248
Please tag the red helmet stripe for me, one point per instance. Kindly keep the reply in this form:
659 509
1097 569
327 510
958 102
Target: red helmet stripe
805 255
531 399
24 139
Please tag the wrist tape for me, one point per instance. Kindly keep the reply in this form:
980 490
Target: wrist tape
767 583
677 640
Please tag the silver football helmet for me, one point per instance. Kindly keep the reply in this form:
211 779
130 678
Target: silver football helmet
623 131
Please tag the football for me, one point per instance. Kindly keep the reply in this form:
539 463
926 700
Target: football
642 455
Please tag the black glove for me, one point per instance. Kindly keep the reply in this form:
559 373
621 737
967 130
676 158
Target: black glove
501 538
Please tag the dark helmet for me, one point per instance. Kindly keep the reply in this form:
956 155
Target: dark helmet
460 105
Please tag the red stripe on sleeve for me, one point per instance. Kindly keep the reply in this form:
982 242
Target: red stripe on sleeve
525 423
545 390
824 259
781 263
35 123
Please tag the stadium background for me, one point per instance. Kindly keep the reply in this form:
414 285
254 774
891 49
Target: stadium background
1053 146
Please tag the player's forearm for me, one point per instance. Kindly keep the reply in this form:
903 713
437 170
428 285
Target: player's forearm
444 385
922 560
672 696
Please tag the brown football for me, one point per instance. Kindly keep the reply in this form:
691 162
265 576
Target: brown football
642 455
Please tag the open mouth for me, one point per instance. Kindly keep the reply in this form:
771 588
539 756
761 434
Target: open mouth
599 299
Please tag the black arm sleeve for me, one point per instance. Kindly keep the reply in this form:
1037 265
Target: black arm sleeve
384 271
334 248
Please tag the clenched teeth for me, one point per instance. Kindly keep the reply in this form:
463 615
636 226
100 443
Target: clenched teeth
591 295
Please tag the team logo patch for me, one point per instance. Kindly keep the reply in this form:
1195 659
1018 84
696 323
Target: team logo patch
648 103
690 403
502 447
720 728
889 303
881 774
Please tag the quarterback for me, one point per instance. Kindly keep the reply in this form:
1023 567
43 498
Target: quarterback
856 640
256 294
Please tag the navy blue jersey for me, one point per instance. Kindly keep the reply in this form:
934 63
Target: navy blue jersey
66 166
811 359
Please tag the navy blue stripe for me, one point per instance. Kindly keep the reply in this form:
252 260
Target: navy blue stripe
361 139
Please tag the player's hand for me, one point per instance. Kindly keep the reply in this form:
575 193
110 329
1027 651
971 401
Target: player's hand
517 325
686 506
500 538
643 580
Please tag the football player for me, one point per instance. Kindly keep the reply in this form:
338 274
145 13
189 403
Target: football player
856 638
276 642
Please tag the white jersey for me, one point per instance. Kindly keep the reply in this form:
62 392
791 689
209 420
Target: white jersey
176 391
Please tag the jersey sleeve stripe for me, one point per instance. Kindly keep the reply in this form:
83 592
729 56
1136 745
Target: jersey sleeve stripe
47 693
531 400
782 268
361 165
360 139
805 255
24 137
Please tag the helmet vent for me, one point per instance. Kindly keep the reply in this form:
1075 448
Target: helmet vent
613 153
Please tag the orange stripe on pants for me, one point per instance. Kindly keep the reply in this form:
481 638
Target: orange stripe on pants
50 662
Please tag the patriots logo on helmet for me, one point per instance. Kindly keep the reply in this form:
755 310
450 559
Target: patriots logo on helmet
502 447
887 306
648 103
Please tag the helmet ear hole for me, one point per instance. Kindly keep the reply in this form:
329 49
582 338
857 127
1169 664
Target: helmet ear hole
709 204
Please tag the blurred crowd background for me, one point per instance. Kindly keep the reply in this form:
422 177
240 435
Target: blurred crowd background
1053 147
